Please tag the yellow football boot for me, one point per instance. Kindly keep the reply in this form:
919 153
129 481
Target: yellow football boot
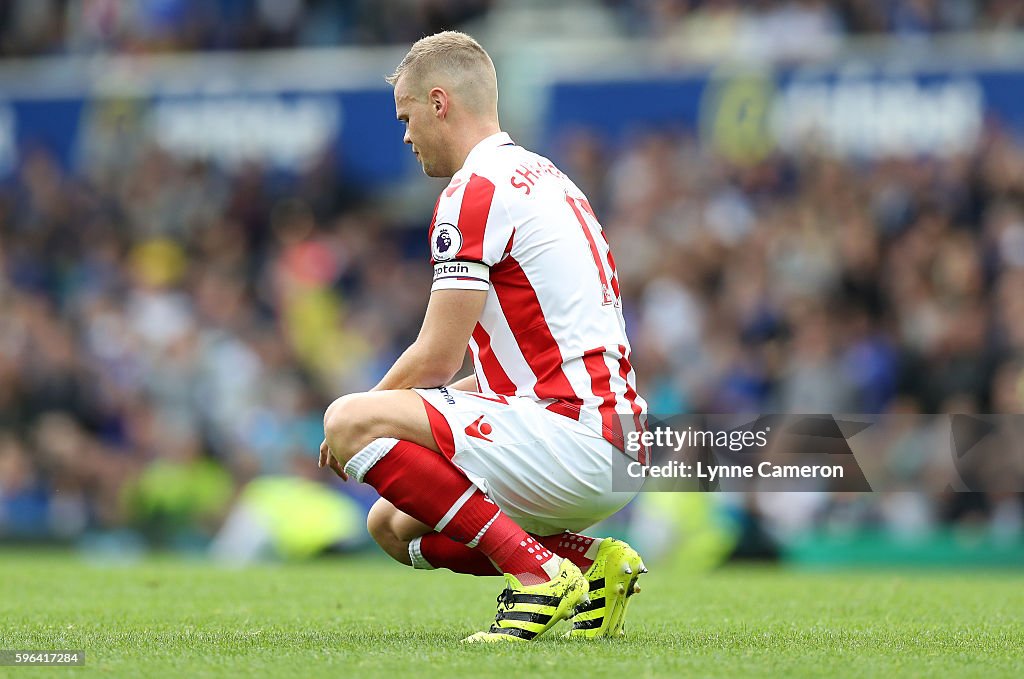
611 580
525 613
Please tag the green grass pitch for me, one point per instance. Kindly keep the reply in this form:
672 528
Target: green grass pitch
367 617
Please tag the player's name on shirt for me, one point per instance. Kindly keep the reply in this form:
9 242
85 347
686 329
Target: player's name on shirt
528 173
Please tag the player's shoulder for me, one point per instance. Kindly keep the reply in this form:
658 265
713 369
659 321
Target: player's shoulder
500 167
502 161
521 173
493 161
470 179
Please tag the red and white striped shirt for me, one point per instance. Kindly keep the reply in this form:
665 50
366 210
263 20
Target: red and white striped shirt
552 329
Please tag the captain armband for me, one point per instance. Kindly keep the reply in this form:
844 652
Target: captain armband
456 275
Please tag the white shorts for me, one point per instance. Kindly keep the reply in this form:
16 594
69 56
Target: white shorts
545 471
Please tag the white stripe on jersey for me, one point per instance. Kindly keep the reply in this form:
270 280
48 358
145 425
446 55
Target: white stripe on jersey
512 361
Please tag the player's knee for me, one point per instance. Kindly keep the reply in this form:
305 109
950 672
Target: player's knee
336 414
348 425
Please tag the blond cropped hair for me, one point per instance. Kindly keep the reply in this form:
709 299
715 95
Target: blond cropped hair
454 60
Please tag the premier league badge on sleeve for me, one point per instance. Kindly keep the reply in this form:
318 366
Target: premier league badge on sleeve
447 242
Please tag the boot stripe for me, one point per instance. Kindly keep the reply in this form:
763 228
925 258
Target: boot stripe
513 632
524 616
588 624
593 605
596 584
539 599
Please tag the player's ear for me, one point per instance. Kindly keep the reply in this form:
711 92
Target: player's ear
438 102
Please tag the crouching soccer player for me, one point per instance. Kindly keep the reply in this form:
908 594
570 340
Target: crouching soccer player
494 473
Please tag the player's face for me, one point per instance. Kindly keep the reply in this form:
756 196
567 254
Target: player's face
422 131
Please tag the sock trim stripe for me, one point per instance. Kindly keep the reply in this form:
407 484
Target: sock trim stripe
476 541
360 464
454 509
416 555
591 552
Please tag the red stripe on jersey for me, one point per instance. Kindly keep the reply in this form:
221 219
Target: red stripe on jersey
590 240
433 223
611 260
525 317
601 383
611 267
476 205
565 409
631 396
441 430
497 379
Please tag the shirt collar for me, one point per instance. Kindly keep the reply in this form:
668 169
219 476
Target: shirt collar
487 143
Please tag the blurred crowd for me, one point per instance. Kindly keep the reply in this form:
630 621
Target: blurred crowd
797 17
32 27
706 27
171 331
809 284
164 314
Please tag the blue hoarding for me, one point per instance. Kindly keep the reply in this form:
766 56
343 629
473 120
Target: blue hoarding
852 110
283 130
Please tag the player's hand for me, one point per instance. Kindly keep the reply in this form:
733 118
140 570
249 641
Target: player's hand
327 459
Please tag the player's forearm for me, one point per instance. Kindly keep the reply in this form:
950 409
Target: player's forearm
416 369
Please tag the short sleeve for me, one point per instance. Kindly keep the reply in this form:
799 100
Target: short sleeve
469 234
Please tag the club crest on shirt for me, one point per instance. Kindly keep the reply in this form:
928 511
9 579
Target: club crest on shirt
446 243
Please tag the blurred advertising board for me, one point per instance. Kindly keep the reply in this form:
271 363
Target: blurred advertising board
263 113
286 129
850 110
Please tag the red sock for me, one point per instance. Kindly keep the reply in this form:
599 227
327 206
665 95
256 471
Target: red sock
429 488
442 552
579 549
